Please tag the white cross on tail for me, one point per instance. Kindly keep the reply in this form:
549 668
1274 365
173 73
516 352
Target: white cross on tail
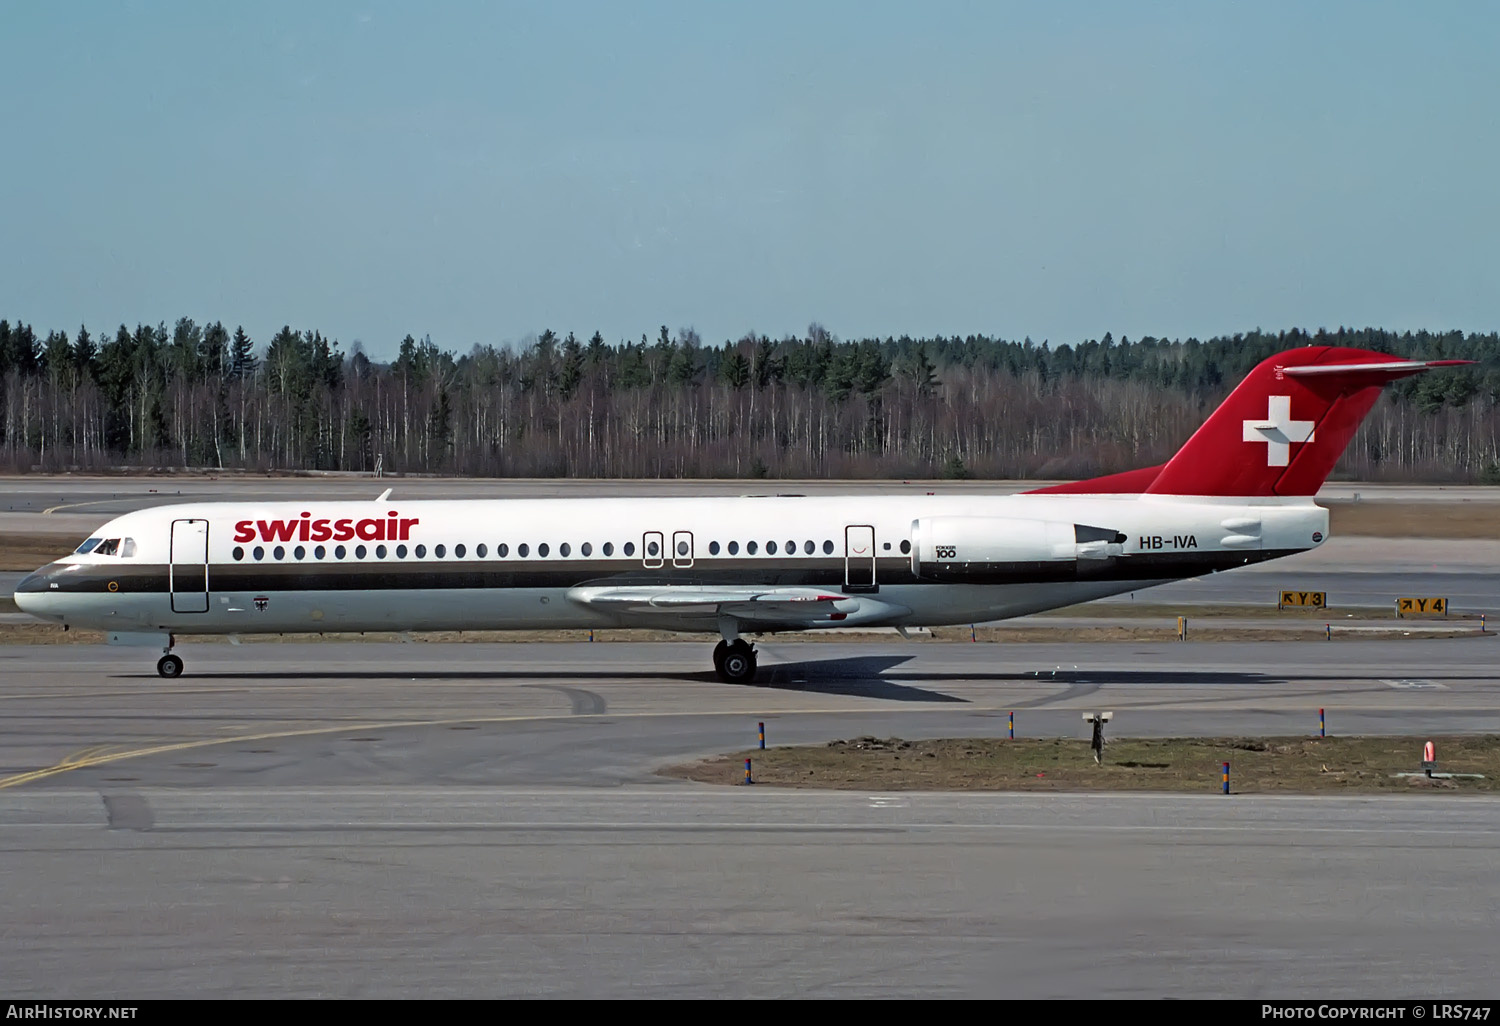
1279 431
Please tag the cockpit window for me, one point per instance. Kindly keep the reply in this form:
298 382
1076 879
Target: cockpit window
108 548
88 545
127 548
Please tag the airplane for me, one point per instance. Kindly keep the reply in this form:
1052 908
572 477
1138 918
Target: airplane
1240 491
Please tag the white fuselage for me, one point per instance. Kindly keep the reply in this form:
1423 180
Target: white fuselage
566 563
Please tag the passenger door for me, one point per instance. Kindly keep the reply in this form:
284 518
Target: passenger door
187 569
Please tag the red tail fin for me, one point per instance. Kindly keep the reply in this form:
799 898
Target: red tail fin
1280 432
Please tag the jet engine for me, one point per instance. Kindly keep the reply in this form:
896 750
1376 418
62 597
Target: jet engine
961 547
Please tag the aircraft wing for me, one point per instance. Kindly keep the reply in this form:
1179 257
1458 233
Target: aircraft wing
743 602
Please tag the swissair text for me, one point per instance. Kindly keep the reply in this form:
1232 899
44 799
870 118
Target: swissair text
391 527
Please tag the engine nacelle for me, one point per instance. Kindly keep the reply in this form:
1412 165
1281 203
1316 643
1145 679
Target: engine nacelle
964 546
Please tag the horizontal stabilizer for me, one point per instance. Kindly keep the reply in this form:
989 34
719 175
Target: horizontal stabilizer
1385 371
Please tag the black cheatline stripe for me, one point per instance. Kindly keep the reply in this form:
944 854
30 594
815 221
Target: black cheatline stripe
822 573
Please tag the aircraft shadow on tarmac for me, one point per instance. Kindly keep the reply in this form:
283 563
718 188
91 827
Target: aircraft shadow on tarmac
859 676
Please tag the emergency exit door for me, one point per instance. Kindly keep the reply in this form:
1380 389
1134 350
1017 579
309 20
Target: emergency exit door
859 558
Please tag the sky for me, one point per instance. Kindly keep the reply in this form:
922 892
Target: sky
481 171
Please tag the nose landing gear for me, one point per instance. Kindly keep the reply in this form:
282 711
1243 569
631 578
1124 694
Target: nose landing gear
169 665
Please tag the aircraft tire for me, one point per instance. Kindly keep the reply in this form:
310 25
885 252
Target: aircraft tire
169 666
737 666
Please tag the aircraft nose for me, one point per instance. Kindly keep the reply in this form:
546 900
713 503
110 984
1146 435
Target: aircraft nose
33 582
33 586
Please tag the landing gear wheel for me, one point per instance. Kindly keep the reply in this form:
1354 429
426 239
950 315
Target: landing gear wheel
169 666
719 651
737 664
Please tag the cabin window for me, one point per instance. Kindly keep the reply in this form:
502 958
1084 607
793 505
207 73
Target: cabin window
905 546
319 552
827 547
127 548
359 551
439 550
238 553
586 549
713 548
629 549
339 552
88 545
734 547
771 548
887 546
563 550
750 548
502 550
791 548
523 550
400 551
108 548
259 553
542 550
609 548
279 552
481 550
652 549
682 548
458 551
299 552
421 551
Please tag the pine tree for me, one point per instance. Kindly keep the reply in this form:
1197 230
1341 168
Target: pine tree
213 350
597 350
84 351
734 370
242 359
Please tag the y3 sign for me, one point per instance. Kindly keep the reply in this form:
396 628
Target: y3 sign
1278 431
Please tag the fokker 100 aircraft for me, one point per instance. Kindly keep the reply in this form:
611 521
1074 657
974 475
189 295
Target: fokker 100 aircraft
1239 492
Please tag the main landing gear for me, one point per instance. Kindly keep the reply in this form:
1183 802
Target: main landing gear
734 661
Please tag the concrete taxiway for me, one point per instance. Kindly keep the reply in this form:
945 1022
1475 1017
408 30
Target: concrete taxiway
433 820
374 892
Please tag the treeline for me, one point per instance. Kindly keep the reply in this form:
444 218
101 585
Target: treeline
196 396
